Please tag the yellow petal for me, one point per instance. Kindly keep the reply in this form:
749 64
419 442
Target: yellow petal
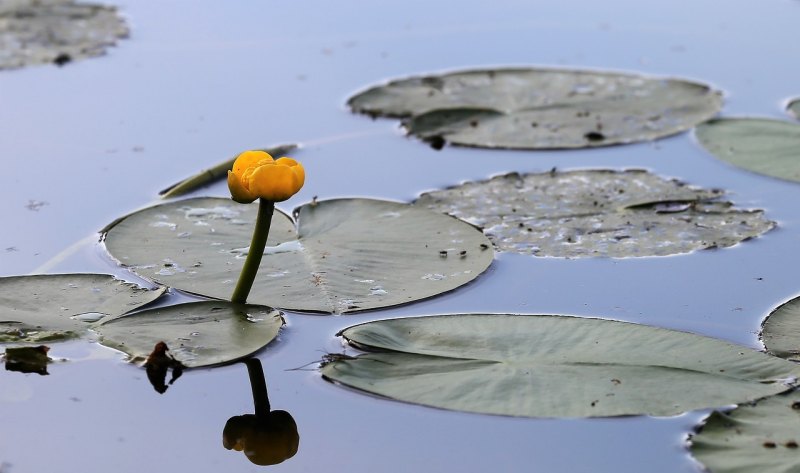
296 167
238 192
249 159
274 182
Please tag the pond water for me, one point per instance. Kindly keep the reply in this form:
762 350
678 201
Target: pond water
199 81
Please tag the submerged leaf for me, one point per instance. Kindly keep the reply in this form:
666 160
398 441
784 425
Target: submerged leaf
346 254
762 145
198 333
553 366
540 108
762 437
56 31
56 307
597 213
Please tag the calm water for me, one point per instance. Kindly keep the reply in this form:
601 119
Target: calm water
200 81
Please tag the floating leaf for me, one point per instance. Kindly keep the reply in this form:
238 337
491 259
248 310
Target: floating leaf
794 108
597 213
762 145
49 308
56 31
762 437
781 331
197 334
28 359
346 255
218 171
553 366
540 108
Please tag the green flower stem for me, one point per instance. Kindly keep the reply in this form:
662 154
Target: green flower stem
257 245
258 384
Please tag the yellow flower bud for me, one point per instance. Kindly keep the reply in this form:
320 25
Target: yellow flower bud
256 175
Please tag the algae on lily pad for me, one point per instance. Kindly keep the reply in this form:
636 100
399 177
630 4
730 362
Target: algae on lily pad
762 145
553 366
597 213
762 437
780 331
56 307
55 31
197 334
540 108
345 255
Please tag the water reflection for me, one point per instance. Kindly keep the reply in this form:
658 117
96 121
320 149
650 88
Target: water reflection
267 437
158 364
27 359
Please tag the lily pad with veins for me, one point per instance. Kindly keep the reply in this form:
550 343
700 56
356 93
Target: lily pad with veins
761 145
345 255
538 108
55 307
597 213
553 366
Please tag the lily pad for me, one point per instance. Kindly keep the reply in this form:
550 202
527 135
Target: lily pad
794 108
553 366
56 307
597 213
762 437
781 331
535 108
55 31
346 254
761 145
197 334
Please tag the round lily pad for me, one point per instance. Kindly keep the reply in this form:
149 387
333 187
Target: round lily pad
55 31
536 108
762 145
762 437
553 366
794 108
597 213
55 307
345 255
781 331
197 334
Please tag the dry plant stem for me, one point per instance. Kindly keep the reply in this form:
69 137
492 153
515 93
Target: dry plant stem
256 251
258 384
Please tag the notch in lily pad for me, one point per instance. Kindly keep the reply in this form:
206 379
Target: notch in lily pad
761 145
56 307
553 366
540 108
597 213
343 255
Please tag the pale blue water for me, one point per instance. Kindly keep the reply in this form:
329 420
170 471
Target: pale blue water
199 81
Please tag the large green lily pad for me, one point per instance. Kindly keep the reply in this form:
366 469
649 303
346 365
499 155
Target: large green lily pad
762 437
197 334
536 108
597 213
553 366
781 331
346 255
762 145
55 31
55 307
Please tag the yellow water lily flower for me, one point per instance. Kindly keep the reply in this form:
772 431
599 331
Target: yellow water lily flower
256 175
